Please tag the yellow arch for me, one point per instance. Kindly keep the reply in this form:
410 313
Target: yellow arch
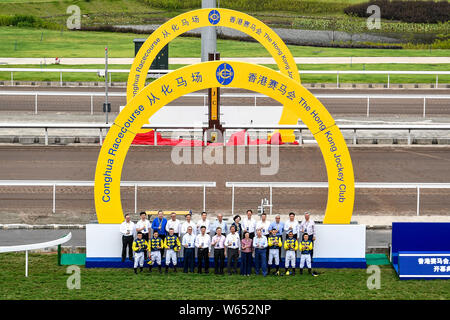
204 18
290 93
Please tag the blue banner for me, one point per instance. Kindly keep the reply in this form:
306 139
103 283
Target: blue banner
424 265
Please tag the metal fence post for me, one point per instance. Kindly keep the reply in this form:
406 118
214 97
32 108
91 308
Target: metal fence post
92 104
255 100
354 136
437 83
155 137
135 197
300 137
60 79
418 201
35 104
368 106
54 198
271 205
232 200
424 105
337 79
26 263
409 136
389 80
46 136
100 134
204 197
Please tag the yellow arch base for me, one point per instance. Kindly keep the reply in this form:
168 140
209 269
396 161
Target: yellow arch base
296 99
220 18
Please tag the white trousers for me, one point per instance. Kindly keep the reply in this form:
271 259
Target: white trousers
171 255
290 259
138 259
274 254
155 256
307 258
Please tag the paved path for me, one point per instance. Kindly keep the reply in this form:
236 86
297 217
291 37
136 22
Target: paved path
257 60
379 238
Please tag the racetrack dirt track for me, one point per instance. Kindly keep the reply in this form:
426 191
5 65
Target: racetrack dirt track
144 163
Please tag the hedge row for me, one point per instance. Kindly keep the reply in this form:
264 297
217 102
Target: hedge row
417 11
300 6
20 20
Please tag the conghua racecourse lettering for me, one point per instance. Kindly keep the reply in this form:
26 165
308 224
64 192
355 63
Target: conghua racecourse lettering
296 99
220 18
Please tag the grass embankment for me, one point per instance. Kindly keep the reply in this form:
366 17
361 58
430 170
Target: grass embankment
306 78
26 42
47 280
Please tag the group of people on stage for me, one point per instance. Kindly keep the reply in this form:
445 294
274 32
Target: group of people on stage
254 241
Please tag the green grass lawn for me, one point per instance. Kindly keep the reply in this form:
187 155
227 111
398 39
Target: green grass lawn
26 42
306 78
47 280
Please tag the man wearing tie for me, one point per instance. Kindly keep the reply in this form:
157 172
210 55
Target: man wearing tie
203 244
143 226
260 245
249 224
127 229
218 243
159 224
189 250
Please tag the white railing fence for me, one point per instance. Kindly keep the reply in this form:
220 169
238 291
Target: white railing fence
298 129
255 97
358 185
153 72
135 184
35 246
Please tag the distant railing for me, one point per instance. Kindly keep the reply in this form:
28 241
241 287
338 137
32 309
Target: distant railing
358 185
101 72
135 184
266 128
254 96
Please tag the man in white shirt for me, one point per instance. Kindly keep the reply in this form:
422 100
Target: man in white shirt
218 243
188 223
174 224
263 224
249 224
219 223
308 226
203 222
232 246
143 226
127 229
291 224
188 244
203 244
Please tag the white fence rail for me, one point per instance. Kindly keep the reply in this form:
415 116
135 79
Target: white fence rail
35 246
135 184
367 97
358 185
338 73
266 129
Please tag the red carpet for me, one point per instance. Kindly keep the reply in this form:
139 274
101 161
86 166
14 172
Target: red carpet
236 139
